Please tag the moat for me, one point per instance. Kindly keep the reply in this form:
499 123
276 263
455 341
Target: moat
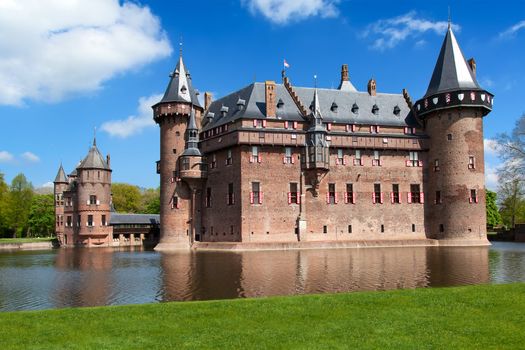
88 277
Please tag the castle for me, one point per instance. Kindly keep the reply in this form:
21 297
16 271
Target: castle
84 210
275 165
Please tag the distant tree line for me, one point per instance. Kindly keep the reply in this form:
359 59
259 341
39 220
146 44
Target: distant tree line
511 175
24 213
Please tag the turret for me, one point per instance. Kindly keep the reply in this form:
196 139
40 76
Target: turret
93 200
60 186
178 115
452 113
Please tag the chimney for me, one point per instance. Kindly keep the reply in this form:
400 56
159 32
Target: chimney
372 87
270 98
344 73
207 100
108 160
472 64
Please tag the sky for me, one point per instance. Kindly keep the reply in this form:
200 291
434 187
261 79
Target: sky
70 67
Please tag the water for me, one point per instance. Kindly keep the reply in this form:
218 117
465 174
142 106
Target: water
88 277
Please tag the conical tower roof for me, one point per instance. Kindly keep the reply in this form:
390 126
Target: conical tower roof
180 88
94 160
61 175
192 142
452 71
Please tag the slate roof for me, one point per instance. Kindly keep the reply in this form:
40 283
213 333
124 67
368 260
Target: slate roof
255 106
61 176
134 219
452 72
180 88
93 160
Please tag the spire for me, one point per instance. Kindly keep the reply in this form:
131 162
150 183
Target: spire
95 137
192 137
316 122
94 159
452 71
61 175
180 88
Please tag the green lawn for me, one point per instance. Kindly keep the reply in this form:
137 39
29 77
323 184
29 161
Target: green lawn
475 317
26 240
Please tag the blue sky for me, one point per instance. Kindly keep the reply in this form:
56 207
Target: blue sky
66 69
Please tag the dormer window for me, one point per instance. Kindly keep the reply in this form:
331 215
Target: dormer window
240 104
333 108
397 110
280 103
224 111
355 108
375 109
183 89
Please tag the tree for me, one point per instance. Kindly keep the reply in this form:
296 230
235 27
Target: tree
493 215
511 148
150 201
512 203
18 204
4 192
126 198
42 216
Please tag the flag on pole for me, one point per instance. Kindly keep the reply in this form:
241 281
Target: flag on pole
286 65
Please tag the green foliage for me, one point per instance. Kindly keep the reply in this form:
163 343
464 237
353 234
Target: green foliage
4 192
150 203
493 215
126 198
470 317
18 205
42 216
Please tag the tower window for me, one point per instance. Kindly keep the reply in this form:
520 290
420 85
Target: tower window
229 159
436 164
256 194
104 223
395 194
377 197
293 195
255 157
92 200
441 228
471 162
175 203
382 228
349 228
413 227
230 198
69 221
325 229
449 137
473 196
90 221
439 200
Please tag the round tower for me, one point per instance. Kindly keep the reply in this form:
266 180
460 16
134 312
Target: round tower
172 114
452 112
93 200
61 185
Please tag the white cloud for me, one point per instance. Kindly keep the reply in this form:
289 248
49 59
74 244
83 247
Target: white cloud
491 147
387 33
491 177
52 49
134 124
511 32
286 11
48 184
5 156
30 157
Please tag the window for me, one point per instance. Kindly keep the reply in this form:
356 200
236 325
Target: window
259 123
471 162
374 129
415 195
340 157
331 195
349 194
413 227
382 228
358 160
104 223
229 159
410 131
394 196
256 194
349 228
230 198
294 197
93 200
208 197
186 163
377 196
175 203
438 200
255 157
413 159
90 221
213 161
288 157
79 220
69 221
377 159
328 126
449 137
473 196
436 164
325 229
441 228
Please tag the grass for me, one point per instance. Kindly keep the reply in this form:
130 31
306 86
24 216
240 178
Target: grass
26 240
475 317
